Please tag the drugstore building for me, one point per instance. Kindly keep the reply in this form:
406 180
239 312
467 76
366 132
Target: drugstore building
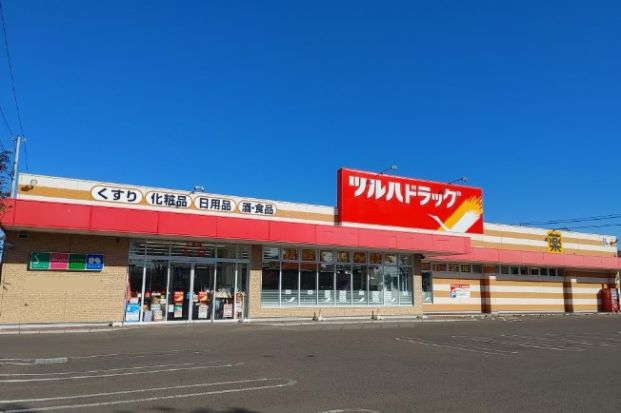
84 251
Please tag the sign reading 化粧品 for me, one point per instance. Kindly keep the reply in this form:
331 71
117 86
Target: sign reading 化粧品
371 198
62 261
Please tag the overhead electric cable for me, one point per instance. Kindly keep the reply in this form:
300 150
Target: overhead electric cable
574 220
8 59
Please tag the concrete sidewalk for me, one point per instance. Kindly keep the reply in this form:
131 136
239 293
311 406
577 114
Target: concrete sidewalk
12 329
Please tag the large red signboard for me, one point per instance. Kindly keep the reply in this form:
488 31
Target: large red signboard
369 198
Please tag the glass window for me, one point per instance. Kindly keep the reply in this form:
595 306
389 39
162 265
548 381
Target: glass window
390 259
343 285
560 272
543 271
504 270
327 256
406 289
376 287
192 249
135 281
225 290
244 252
309 255
226 251
427 288
425 266
375 258
359 276
157 247
179 297
534 271
477 268
289 254
202 297
271 253
440 267
515 270
406 260
452 267
391 285
289 292
308 284
137 247
241 298
326 284
342 256
360 257
524 270
465 268
269 283
155 294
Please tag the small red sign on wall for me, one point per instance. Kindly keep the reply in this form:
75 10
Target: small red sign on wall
369 198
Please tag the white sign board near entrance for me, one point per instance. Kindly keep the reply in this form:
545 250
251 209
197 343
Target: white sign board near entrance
460 290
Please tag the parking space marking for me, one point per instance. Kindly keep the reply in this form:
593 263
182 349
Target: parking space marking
550 337
140 354
474 349
352 410
153 389
97 376
57 373
518 343
604 337
286 383
31 361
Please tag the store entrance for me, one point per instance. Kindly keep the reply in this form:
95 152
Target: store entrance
202 292
186 281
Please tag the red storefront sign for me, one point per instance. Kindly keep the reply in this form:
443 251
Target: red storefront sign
369 198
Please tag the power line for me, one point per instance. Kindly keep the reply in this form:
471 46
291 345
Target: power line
8 59
596 226
574 220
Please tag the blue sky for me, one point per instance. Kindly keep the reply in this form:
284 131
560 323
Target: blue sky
269 99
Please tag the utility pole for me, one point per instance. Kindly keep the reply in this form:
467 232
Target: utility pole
18 141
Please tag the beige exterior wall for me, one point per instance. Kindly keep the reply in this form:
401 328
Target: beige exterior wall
62 296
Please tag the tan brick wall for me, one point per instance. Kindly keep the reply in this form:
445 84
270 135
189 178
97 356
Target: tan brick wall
60 296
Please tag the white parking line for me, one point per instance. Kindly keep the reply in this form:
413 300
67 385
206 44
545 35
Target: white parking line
518 343
102 370
288 382
604 337
474 349
82 376
30 361
550 337
153 389
354 410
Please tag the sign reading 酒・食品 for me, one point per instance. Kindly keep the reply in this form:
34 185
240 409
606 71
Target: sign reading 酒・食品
63 261
371 198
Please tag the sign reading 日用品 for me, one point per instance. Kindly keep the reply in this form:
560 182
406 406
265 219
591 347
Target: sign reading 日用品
62 261
371 198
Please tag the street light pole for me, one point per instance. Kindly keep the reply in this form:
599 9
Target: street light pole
18 142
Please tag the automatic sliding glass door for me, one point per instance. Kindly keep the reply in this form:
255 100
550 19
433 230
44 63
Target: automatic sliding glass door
179 291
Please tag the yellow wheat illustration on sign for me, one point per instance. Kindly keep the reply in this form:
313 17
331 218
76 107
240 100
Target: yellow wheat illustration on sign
464 217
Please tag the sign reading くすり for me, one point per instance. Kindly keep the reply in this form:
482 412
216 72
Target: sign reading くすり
370 198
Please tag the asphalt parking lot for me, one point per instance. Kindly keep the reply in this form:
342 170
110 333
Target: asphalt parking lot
555 363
